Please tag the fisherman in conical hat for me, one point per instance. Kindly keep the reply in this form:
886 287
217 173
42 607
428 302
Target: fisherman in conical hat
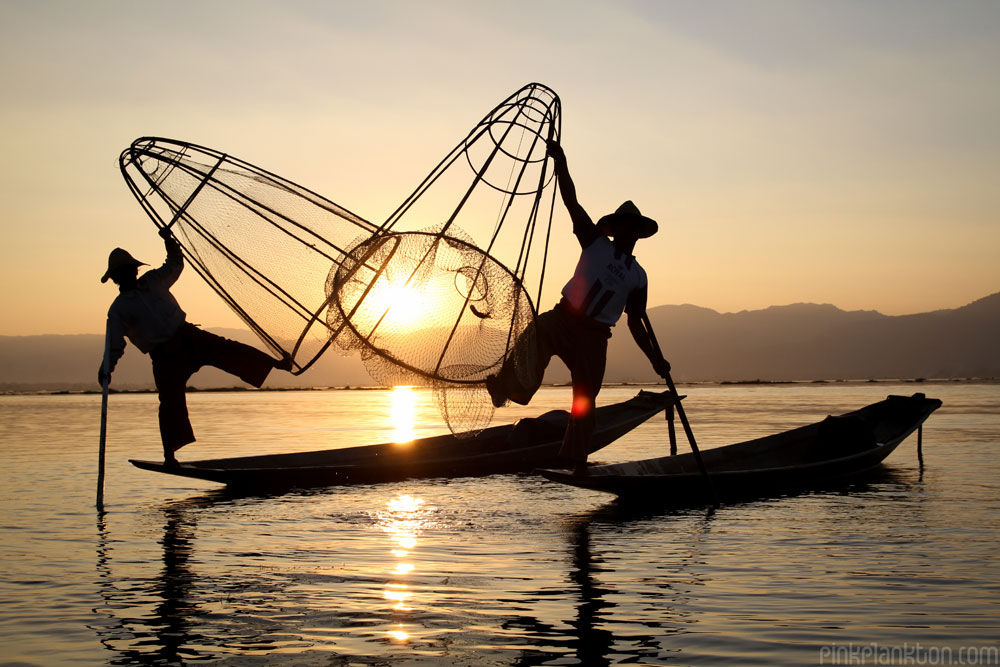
149 316
607 282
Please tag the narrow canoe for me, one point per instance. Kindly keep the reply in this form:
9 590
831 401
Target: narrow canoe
523 446
833 449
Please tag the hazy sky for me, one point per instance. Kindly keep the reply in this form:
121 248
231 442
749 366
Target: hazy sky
836 152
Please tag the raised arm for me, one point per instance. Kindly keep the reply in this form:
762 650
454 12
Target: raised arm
583 226
174 264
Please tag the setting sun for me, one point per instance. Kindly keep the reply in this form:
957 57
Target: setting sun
401 305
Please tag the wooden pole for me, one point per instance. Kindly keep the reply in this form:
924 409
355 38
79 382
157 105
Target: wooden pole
690 437
105 388
920 445
670 427
682 415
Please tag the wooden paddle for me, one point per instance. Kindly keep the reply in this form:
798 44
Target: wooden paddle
681 414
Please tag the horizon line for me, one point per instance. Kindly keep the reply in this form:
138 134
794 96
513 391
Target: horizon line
648 308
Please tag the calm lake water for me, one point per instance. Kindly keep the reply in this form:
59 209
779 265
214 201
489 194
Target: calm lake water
500 570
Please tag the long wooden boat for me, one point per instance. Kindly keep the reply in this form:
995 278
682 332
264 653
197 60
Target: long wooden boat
831 450
523 446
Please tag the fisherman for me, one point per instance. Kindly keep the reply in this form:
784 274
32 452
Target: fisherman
148 314
608 280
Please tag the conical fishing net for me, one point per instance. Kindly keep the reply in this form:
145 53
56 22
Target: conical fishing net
263 243
437 295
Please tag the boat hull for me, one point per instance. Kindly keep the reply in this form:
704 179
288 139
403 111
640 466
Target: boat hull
834 450
520 447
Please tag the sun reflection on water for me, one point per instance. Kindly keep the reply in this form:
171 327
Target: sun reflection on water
397 593
405 503
399 635
403 521
404 411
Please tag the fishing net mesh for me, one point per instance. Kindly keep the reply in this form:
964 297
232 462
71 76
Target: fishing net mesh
430 309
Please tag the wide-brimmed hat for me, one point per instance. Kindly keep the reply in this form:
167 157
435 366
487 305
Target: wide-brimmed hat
628 211
117 259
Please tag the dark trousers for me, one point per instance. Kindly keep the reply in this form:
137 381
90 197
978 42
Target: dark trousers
582 344
175 361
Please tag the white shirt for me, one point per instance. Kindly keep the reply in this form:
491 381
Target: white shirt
149 314
603 280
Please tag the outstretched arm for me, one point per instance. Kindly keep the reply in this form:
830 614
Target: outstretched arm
636 311
583 226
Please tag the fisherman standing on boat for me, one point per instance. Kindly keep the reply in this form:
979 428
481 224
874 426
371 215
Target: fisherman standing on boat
608 280
148 314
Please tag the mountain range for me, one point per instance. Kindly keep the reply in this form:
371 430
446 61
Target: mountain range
794 342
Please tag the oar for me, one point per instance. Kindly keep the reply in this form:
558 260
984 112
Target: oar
105 385
681 414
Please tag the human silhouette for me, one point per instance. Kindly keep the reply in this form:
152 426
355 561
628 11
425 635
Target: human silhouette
149 316
607 282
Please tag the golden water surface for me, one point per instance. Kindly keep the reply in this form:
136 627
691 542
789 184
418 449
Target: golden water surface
504 569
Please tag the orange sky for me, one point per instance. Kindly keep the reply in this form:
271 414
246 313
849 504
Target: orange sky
832 152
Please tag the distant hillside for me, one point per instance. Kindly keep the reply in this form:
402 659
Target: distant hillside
795 342
809 341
